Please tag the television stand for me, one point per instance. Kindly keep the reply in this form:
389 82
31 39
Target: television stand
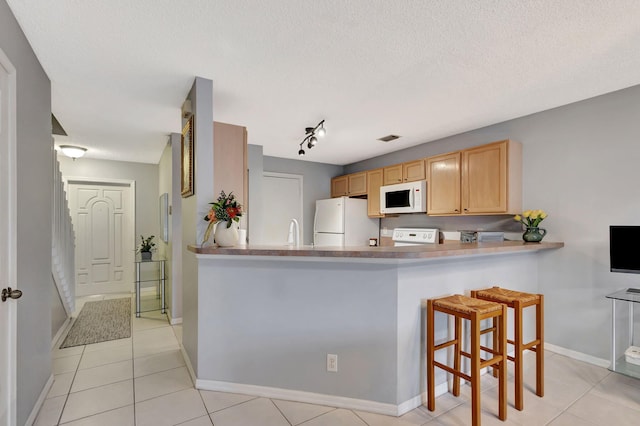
621 339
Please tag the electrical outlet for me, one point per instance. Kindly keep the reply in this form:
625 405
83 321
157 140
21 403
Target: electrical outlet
332 363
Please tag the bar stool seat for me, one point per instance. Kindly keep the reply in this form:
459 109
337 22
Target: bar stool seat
474 310
517 301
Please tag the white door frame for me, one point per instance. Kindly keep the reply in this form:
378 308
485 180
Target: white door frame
132 201
8 248
300 179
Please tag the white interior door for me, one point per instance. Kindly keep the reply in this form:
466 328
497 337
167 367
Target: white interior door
103 220
8 309
281 202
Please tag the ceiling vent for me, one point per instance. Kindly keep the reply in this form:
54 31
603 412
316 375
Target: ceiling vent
389 138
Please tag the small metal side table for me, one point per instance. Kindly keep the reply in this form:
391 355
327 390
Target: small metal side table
622 330
160 279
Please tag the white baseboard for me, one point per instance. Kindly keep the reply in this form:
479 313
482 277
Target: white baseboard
38 405
187 362
173 321
63 328
302 396
605 363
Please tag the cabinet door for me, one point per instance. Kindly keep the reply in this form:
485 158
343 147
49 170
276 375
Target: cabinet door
374 182
484 179
357 183
230 161
413 170
392 174
339 186
443 187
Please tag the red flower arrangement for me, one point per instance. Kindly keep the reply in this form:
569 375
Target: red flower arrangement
226 208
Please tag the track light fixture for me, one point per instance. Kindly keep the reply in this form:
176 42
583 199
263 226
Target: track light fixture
310 136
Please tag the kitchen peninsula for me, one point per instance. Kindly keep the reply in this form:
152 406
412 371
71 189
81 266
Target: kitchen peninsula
269 315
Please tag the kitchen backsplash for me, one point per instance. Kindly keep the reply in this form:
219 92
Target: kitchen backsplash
449 223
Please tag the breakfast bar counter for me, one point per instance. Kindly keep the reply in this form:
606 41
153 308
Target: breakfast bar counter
417 252
261 320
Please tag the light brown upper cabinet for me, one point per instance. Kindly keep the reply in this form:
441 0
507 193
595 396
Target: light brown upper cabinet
413 170
392 174
352 185
443 189
404 172
492 178
339 186
357 184
483 180
230 172
374 182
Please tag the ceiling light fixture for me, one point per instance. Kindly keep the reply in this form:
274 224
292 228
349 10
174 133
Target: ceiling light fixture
73 151
310 136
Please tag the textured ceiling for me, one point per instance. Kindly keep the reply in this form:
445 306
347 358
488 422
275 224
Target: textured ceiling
120 69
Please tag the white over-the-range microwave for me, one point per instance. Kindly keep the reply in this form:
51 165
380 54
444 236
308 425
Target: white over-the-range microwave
409 197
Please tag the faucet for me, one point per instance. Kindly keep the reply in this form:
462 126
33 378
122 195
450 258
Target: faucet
294 233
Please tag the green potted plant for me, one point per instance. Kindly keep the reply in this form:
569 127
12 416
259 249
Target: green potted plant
146 247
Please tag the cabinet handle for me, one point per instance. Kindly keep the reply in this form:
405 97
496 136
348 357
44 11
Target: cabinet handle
466 210
456 210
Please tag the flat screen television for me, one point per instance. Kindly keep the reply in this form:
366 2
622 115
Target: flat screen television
623 248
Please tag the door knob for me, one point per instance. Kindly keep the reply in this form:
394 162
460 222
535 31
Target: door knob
8 293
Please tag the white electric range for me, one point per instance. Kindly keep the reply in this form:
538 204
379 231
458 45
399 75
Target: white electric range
414 236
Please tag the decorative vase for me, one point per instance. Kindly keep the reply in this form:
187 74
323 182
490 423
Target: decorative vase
534 235
145 255
226 236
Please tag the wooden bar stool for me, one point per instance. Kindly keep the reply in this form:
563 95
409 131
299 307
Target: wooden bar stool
518 300
473 310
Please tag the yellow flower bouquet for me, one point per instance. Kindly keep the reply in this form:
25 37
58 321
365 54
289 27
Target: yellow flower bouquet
531 219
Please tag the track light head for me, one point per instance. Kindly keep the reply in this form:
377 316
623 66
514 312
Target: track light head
311 136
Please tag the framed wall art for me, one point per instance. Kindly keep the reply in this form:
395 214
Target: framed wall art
187 159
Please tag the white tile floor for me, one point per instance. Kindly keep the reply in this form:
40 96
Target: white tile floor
143 380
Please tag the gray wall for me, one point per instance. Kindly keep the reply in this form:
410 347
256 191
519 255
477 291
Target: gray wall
145 176
255 162
316 180
34 153
193 210
581 166
58 314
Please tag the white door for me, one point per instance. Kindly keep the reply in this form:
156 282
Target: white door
8 309
105 248
281 202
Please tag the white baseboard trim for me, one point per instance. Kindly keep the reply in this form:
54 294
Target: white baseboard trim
36 408
605 363
173 321
187 362
63 328
301 396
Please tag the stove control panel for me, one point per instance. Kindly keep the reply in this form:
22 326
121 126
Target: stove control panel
415 235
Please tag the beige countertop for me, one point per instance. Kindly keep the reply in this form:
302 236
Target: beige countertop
426 251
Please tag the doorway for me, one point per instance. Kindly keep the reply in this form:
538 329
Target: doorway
103 215
8 309
281 202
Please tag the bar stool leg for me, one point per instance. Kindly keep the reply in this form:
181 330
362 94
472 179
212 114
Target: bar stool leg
517 337
431 384
501 331
457 356
475 370
496 340
540 347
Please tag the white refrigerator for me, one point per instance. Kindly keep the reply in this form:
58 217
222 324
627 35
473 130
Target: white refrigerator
343 221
